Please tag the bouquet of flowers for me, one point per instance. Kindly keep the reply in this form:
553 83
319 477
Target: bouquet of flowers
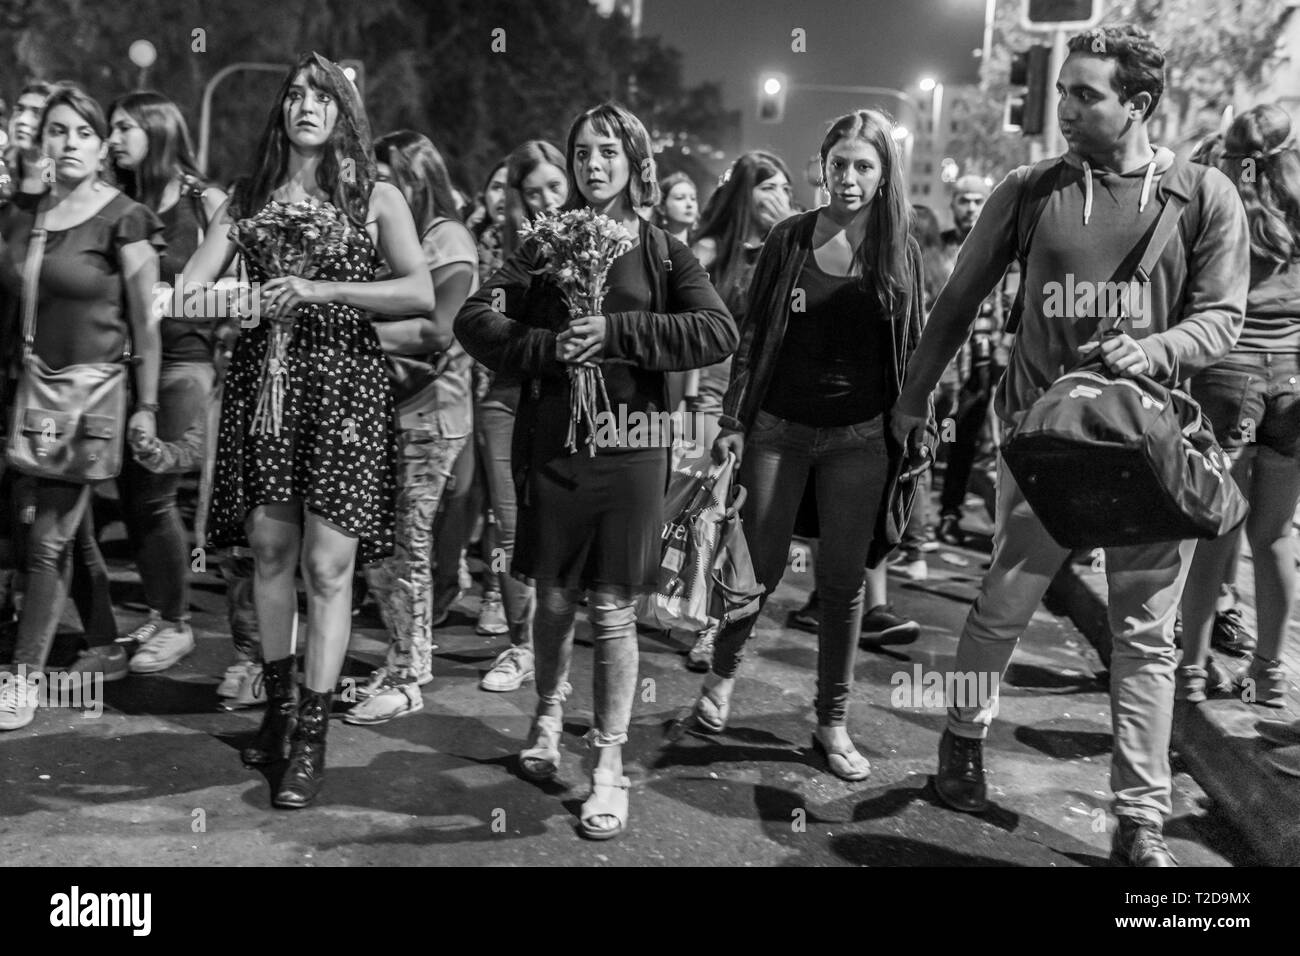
285 239
579 246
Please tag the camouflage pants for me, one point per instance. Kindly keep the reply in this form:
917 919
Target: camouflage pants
403 583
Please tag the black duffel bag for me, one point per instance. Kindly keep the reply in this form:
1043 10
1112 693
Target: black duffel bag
1107 461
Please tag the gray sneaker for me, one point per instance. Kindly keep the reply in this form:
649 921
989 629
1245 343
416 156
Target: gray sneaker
492 616
509 671
250 691
700 657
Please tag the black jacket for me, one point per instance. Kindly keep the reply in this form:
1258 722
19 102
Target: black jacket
511 323
763 330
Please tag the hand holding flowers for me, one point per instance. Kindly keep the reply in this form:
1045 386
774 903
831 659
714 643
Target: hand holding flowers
578 247
288 242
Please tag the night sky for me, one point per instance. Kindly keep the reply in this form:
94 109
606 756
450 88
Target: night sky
889 43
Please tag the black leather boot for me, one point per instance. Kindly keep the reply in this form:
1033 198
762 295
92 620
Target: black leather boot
1138 842
960 780
272 740
306 771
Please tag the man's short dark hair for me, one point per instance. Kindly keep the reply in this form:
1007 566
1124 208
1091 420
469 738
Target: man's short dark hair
1139 60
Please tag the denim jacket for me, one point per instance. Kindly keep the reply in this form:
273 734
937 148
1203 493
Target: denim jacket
762 332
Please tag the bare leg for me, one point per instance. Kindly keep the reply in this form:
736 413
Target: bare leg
328 560
275 537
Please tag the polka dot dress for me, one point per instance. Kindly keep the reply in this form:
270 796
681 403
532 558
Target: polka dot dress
337 448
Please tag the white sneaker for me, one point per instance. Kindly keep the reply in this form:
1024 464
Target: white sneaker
142 634
378 680
251 690
392 700
234 678
511 669
163 650
17 701
917 570
492 616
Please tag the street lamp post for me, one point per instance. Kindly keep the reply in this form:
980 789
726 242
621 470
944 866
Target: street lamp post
143 54
205 110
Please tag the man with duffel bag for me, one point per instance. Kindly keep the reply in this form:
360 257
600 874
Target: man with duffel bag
1138 262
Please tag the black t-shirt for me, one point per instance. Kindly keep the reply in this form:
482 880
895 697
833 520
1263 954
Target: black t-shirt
81 312
832 367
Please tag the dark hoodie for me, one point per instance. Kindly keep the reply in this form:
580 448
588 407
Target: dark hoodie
1092 220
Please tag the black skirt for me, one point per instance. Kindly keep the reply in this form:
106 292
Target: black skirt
594 521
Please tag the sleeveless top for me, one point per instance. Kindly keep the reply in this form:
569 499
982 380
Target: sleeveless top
183 226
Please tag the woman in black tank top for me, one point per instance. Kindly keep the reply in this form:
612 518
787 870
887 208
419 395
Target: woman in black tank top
150 150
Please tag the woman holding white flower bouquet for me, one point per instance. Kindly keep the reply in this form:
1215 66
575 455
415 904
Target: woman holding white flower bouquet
307 455
591 311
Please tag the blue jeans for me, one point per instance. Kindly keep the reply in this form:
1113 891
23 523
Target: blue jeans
850 466
153 520
494 425
62 557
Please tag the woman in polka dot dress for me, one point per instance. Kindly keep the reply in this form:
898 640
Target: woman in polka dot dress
321 492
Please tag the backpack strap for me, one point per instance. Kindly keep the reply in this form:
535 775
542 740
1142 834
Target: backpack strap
1031 202
192 188
660 240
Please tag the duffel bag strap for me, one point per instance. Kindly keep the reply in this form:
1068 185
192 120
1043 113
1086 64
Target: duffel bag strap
1162 231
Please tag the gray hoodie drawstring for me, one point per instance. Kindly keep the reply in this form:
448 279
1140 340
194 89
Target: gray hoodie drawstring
1087 192
1087 188
1146 184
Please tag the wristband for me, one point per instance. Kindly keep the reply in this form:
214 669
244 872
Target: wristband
147 407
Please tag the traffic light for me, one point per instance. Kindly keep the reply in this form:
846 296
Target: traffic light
355 71
1027 106
771 97
1060 14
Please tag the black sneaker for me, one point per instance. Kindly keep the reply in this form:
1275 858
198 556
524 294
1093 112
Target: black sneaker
949 531
1139 842
808 617
960 780
881 626
1230 635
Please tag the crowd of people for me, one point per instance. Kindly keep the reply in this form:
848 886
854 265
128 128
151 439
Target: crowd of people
427 382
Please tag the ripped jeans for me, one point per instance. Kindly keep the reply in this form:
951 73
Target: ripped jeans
612 613
403 583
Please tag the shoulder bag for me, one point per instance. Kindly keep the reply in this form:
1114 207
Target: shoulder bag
67 424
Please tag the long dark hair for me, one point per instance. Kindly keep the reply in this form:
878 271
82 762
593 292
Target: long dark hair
614 119
348 148
729 215
519 166
1259 156
169 153
929 237
420 173
484 223
882 256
